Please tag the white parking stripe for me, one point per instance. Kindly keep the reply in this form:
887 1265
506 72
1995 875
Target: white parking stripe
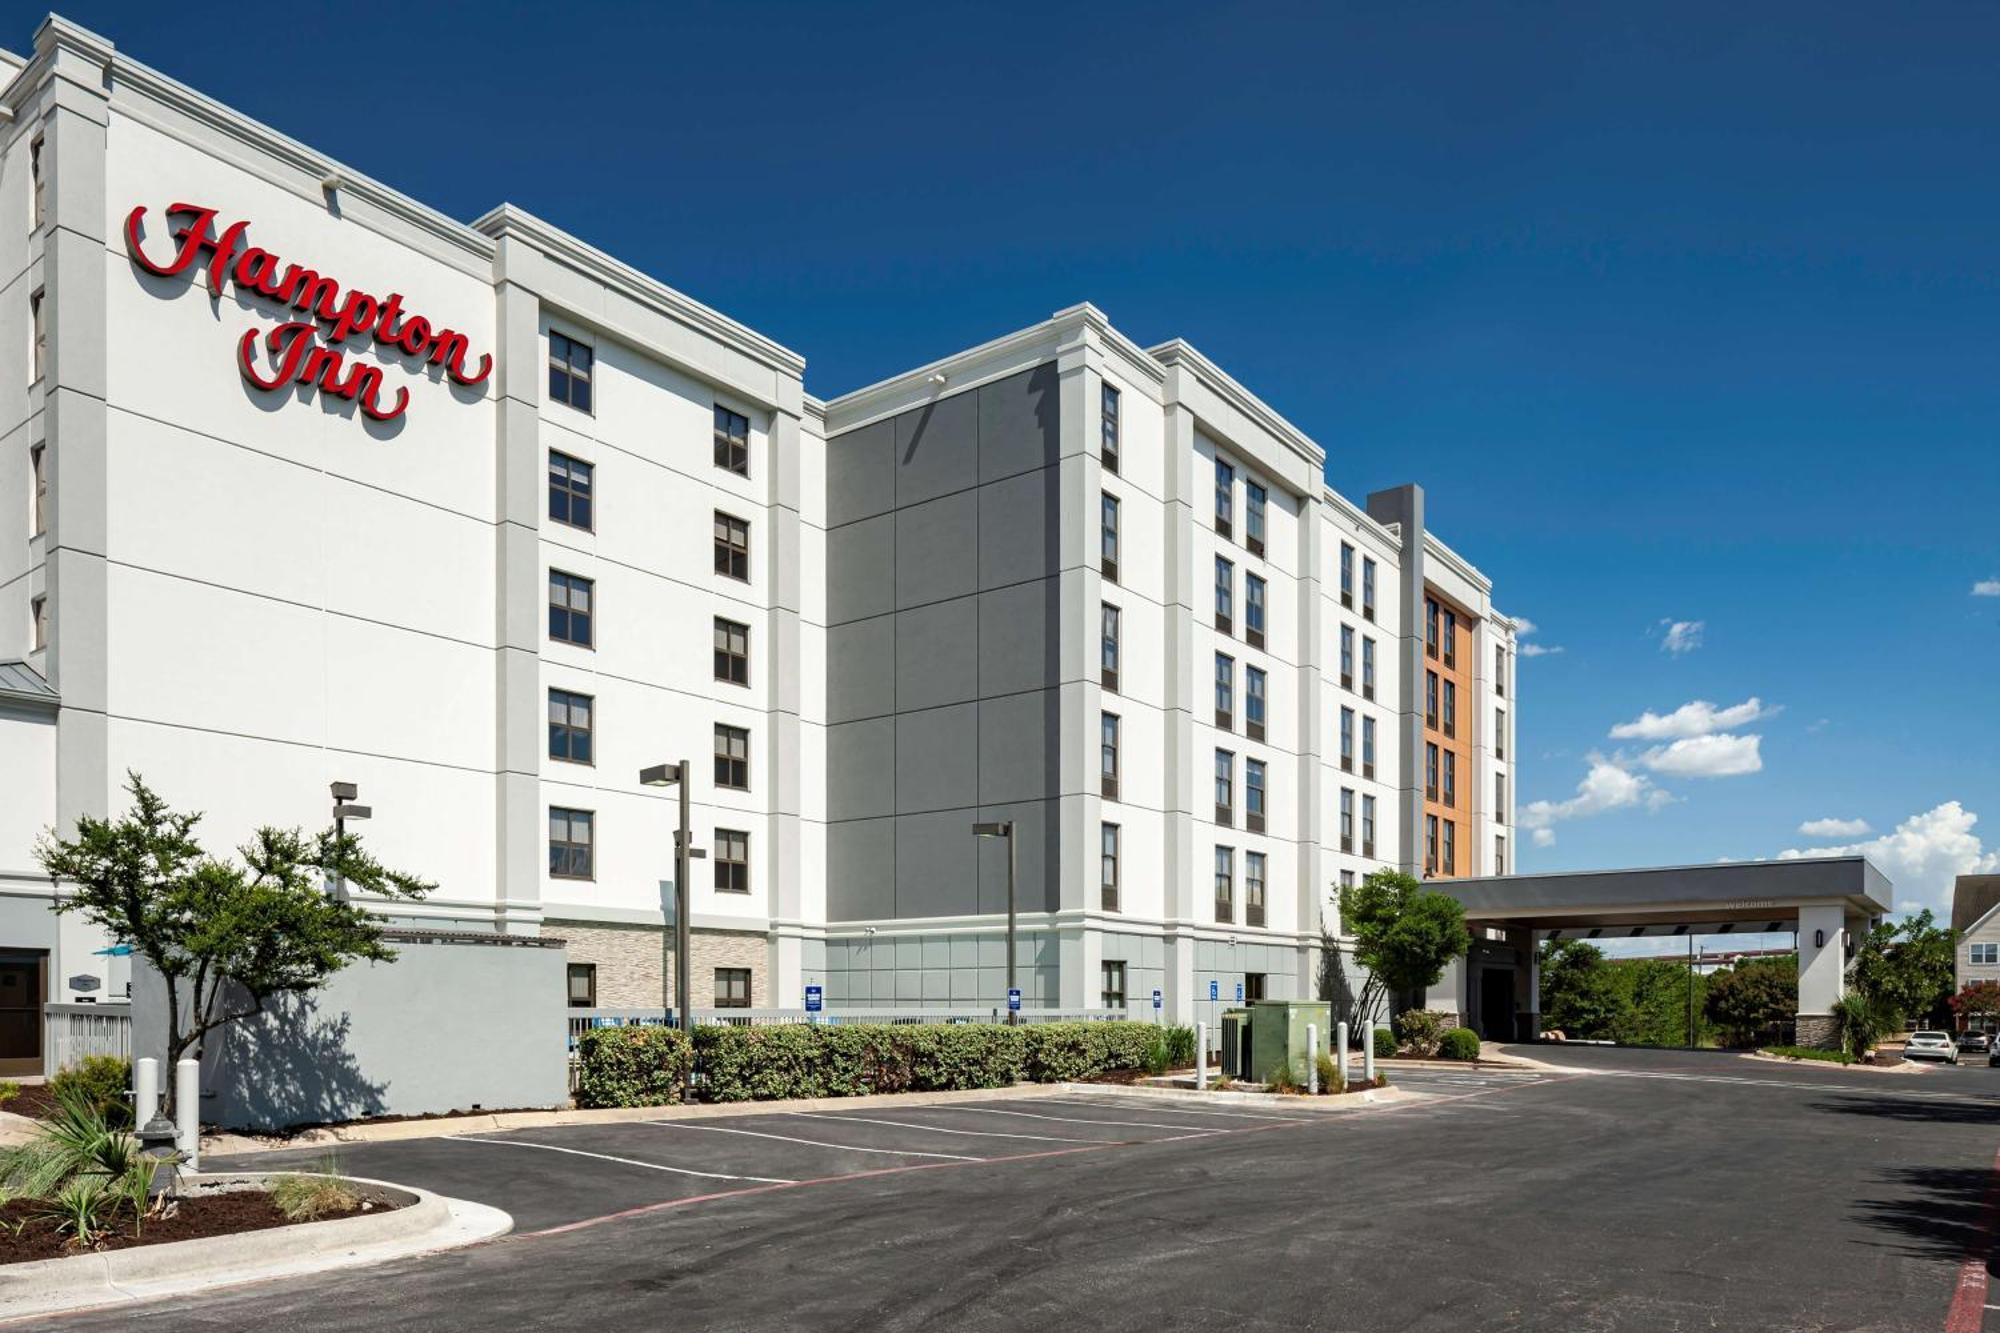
938 1129
622 1161
1066 1119
811 1143
1173 1110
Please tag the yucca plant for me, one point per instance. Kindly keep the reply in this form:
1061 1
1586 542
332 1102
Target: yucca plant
83 1208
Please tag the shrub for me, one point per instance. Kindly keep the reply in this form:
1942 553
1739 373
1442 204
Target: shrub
631 1066
1282 1079
102 1081
1329 1075
1385 1043
9 1090
1180 1047
309 1196
1420 1031
1807 1053
1460 1044
1859 1023
1056 1052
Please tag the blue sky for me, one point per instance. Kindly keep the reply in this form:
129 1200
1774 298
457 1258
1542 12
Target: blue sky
1681 313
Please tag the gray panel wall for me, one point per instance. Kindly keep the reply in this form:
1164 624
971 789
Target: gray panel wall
942 603
443 1028
933 971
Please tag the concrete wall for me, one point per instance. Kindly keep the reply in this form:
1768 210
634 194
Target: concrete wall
445 1027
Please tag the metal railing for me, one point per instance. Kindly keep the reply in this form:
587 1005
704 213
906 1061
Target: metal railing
583 1020
73 1032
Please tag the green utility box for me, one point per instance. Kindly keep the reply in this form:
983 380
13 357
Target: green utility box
1278 1032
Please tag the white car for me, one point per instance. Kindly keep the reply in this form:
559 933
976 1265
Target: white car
1931 1046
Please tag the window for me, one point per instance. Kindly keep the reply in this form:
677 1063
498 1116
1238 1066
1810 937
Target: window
1450 637
1225 497
1225 884
38 623
1253 796
1451 708
569 371
38 490
732 757
1112 992
1225 595
35 170
1450 847
1368 668
1253 896
1107 561
1367 747
732 546
569 490
1346 575
1346 657
1431 770
1347 740
569 609
1499 733
1253 610
732 652
571 843
1346 819
732 861
1253 985
1108 669
1430 627
1985 953
732 988
1500 797
1368 826
1367 589
1254 498
1225 691
1107 756
732 441
41 347
1499 856
1253 703
1500 670
1107 866
1225 787
569 726
1430 698
1108 450
1430 844
1450 786
583 985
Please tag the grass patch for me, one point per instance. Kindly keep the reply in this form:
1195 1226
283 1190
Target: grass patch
1807 1053
309 1196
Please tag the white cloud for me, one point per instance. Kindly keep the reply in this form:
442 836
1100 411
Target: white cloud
1607 786
1545 837
1986 588
1523 627
1835 828
1922 857
1819 725
1682 636
1698 718
1706 757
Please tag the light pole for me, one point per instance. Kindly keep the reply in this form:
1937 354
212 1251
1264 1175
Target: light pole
676 775
1005 829
345 809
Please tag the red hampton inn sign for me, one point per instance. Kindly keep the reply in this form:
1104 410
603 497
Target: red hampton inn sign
295 353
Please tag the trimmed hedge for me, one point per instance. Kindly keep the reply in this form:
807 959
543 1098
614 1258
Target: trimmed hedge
1459 1044
632 1066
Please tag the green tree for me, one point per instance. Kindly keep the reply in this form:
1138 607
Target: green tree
227 937
1578 993
1404 934
1906 970
1978 1003
1653 1010
1752 1000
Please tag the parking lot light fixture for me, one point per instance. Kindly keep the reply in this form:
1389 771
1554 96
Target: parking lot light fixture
1004 828
674 945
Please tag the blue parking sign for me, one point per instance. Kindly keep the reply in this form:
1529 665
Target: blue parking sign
1014 999
1159 1001
815 999
1239 992
1214 989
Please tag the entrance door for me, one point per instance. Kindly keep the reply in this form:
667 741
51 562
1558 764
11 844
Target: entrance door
1496 1003
23 988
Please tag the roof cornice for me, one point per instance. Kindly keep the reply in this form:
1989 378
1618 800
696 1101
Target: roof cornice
1458 564
1179 352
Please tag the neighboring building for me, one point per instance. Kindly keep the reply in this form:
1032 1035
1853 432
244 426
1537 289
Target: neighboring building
1975 917
310 483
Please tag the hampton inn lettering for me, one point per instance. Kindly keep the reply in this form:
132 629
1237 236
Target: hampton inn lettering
293 353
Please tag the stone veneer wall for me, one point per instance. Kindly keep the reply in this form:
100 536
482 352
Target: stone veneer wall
1818 1030
629 963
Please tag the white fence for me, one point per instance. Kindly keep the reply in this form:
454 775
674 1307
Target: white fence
583 1020
73 1032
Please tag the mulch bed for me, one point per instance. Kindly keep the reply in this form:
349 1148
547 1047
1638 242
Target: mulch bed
194 1218
36 1102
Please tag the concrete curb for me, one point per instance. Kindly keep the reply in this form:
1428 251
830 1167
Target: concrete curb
1907 1067
150 1272
1351 1101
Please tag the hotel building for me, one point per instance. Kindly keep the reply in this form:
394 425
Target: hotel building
302 482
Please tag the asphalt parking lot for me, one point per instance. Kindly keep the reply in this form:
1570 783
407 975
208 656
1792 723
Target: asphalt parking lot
1638 1190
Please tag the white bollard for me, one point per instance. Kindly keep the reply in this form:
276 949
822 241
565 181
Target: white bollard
187 1112
1201 1057
1340 1055
145 1091
1312 1058
1368 1058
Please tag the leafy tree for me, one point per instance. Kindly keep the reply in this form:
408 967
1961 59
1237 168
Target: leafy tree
1578 992
1906 969
1753 999
226 937
1404 934
1653 1002
1979 1001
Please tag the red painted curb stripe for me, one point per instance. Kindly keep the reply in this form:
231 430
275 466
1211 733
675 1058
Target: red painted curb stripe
1968 1301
